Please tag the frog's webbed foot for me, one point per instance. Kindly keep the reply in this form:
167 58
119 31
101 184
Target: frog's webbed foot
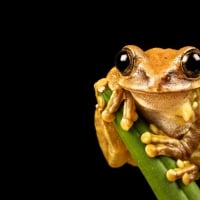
117 97
185 170
158 143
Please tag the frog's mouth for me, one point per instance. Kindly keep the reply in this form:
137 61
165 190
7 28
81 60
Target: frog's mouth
160 85
167 101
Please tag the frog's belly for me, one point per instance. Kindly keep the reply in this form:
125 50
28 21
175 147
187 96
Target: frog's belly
174 126
163 111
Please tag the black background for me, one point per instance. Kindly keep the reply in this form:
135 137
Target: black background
65 51
97 39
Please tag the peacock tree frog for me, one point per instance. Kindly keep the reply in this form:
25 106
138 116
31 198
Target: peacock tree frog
163 86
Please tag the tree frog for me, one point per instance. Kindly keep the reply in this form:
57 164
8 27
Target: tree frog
163 86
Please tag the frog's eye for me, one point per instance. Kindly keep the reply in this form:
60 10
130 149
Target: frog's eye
191 63
124 61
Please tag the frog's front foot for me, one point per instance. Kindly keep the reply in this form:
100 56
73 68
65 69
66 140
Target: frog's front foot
108 111
159 143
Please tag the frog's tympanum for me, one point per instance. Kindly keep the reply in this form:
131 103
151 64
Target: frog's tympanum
163 86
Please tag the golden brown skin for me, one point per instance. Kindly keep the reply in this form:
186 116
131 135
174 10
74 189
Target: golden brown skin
163 86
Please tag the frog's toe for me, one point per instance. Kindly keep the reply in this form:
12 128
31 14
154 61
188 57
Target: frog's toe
171 175
108 116
151 150
187 178
146 138
154 150
126 123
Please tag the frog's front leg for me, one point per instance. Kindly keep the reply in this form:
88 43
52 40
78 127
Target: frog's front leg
118 96
159 143
109 140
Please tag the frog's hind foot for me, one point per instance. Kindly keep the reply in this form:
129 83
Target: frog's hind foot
185 170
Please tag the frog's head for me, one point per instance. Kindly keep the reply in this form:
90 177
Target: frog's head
158 70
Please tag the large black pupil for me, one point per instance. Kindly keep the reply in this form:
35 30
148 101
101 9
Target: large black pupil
122 60
193 65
